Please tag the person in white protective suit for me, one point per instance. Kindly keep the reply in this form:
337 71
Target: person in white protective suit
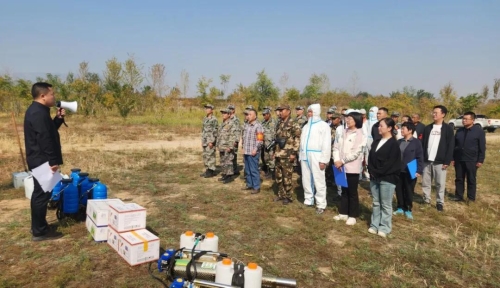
315 151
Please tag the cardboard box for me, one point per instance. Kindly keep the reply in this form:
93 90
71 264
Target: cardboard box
139 246
127 217
99 233
113 238
98 210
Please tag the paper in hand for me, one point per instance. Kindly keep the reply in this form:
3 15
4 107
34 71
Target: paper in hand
45 177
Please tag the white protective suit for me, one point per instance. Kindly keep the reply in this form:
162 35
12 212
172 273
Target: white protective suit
315 148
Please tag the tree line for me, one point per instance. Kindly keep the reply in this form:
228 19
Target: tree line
127 88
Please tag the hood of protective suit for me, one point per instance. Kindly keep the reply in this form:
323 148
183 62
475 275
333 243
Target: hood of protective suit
316 109
372 115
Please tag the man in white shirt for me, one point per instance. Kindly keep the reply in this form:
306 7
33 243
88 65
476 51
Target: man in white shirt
438 144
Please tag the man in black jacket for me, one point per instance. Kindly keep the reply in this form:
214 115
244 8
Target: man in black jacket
438 143
42 145
382 113
419 127
468 156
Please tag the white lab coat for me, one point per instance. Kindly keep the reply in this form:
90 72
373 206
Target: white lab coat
315 148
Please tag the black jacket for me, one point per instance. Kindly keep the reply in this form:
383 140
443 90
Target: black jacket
41 138
470 144
385 164
444 153
419 128
412 151
374 132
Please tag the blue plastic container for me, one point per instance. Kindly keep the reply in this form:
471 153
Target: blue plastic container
59 189
178 283
100 191
70 198
74 175
84 187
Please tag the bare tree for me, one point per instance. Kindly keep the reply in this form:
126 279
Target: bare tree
83 71
132 73
184 83
158 78
284 83
496 86
224 81
484 93
354 84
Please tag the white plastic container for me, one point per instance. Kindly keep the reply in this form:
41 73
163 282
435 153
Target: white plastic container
18 179
210 243
187 240
253 276
224 272
29 186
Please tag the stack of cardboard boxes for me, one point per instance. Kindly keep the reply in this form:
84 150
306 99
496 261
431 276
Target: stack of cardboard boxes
124 229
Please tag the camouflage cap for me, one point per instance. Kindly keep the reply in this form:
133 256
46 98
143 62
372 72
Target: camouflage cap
266 111
395 114
230 107
209 106
249 107
283 107
299 108
336 115
227 110
330 110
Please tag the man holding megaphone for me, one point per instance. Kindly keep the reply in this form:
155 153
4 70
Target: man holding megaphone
42 145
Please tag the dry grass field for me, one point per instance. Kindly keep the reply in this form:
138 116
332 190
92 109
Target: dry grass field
156 163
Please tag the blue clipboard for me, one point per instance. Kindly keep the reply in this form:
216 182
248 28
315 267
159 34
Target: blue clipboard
340 176
412 168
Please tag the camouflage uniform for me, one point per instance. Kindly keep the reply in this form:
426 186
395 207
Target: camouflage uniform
209 135
226 138
291 130
269 128
301 120
238 132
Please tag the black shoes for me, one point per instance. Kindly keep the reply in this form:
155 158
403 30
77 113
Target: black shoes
51 235
457 199
247 188
439 207
209 173
255 191
287 201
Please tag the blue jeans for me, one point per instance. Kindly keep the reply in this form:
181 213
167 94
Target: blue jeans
382 205
252 170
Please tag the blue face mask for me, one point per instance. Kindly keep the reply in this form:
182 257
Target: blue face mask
373 115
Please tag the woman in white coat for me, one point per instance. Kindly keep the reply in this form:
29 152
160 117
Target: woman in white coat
315 152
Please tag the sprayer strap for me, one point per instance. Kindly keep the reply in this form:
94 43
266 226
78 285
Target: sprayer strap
239 275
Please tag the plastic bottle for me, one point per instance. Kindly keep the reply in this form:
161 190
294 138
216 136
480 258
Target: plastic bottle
224 272
74 175
253 276
187 240
210 243
83 187
70 198
100 191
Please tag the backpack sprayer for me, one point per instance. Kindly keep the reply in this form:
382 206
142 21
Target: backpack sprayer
193 268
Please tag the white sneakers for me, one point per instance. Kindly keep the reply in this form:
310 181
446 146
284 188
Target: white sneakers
340 217
379 233
349 220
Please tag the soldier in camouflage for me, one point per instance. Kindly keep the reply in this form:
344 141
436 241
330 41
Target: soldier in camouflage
226 138
239 132
288 133
208 141
269 126
334 122
302 120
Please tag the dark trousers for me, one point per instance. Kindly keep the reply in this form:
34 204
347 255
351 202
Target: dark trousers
465 169
252 171
235 162
39 202
349 201
404 191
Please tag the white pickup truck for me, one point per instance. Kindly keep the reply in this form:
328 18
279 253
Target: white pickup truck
489 125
